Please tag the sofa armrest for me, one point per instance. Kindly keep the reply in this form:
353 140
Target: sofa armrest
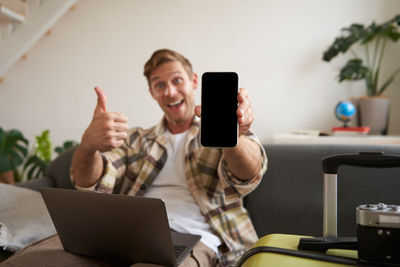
36 184
57 174
59 170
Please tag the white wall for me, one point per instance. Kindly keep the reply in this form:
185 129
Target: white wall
275 46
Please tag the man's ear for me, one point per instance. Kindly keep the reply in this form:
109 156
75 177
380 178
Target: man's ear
195 80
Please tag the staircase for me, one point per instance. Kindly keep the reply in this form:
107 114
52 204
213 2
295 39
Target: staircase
23 23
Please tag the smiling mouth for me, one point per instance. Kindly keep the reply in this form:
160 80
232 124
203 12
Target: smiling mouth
175 104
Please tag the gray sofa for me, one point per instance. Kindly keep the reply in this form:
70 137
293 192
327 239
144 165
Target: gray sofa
289 198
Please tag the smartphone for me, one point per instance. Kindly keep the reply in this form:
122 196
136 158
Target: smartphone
219 122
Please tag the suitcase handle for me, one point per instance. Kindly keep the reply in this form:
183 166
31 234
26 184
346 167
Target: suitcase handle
295 253
363 159
330 166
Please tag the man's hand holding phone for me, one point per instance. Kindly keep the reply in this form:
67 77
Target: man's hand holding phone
226 115
244 111
226 111
107 130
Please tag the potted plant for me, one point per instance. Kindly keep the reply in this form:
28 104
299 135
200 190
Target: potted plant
373 40
41 155
13 150
18 163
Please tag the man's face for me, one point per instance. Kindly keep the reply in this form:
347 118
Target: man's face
173 89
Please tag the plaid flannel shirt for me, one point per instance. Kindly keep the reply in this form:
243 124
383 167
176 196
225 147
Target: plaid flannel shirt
132 168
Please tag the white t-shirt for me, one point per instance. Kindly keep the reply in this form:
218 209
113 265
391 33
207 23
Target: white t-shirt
184 214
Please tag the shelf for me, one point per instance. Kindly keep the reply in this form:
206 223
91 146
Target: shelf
288 138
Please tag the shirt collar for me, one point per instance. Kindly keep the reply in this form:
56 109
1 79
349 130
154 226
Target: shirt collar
160 130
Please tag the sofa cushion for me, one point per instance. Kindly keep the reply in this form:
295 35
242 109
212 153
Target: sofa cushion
23 217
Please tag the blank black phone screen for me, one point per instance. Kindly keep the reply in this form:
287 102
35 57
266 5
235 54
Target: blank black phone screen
219 127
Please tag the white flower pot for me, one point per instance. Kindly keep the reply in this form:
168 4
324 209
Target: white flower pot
374 112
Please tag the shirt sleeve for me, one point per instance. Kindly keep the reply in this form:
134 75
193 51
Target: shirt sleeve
243 187
114 163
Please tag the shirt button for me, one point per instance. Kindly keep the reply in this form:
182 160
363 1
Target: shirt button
143 187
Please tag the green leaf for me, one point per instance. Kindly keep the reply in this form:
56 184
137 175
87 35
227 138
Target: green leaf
396 19
31 171
342 43
44 146
353 70
390 32
13 149
17 158
66 145
2 133
35 166
22 149
370 33
5 163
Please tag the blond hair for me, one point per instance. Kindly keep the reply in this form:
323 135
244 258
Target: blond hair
162 56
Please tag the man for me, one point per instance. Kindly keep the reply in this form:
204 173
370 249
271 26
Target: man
202 187
209 181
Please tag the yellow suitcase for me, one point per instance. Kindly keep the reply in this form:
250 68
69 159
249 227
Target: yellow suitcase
279 250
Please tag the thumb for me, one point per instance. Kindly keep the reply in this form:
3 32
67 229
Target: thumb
101 100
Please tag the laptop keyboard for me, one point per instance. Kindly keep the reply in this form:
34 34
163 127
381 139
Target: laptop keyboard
178 250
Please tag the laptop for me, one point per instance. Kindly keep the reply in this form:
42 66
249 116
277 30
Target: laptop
117 227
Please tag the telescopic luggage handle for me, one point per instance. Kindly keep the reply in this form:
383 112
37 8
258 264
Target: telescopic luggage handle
330 167
363 159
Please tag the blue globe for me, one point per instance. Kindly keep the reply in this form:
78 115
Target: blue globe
344 111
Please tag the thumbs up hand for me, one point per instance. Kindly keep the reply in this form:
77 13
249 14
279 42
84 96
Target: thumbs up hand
101 100
107 130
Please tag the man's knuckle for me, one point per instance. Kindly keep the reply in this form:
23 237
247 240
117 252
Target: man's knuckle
107 116
108 135
110 143
108 126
